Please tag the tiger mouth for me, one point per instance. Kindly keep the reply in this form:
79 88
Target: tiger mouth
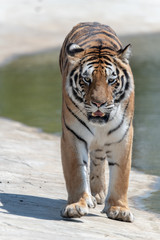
98 117
98 114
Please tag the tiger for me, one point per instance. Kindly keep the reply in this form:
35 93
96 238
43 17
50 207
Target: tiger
97 121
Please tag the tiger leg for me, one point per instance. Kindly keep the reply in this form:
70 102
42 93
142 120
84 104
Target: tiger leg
74 161
97 176
116 204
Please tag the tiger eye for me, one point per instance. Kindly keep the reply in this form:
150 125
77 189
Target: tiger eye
111 81
87 79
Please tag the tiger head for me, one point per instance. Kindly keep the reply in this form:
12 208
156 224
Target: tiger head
99 80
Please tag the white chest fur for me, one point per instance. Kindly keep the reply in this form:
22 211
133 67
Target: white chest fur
113 131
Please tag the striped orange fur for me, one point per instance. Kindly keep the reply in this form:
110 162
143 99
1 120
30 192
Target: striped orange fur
97 115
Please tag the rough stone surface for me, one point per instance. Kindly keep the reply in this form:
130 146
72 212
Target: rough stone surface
32 193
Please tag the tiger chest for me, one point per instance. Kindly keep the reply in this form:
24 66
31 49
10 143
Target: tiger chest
107 142
111 134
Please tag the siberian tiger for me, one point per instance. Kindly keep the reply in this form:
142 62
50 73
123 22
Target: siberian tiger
97 114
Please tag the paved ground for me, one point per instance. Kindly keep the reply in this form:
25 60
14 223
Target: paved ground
32 193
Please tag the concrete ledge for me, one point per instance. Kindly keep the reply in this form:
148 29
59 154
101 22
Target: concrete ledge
32 192
30 26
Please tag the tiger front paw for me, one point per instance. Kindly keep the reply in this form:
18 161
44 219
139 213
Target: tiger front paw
119 213
80 208
75 210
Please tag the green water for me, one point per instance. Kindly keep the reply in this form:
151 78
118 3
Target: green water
146 69
30 92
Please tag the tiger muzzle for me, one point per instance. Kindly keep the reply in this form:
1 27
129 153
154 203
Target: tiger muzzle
99 113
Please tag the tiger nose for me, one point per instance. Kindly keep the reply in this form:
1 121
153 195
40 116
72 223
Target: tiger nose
98 104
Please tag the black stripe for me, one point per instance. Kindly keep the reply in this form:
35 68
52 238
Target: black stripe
101 158
117 71
98 150
76 135
91 63
71 82
113 164
101 61
116 86
107 57
82 122
97 47
107 63
85 163
99 53
125 73
108 152
77 107
79 99
104 33
89 41
109 144
122 81
126 131
92 52
95 164
122 96
90 66
75 78
121 122
93 58
127 86
72 72
107 48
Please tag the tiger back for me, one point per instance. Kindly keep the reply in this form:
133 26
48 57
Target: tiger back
97 115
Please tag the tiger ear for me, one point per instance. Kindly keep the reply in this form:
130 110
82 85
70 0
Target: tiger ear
75 52
125 53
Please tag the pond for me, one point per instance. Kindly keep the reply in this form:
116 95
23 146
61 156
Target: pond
30 92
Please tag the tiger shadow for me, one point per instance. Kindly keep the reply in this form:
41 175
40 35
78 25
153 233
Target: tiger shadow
35 207
31 206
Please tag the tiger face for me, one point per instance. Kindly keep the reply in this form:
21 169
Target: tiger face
98 81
